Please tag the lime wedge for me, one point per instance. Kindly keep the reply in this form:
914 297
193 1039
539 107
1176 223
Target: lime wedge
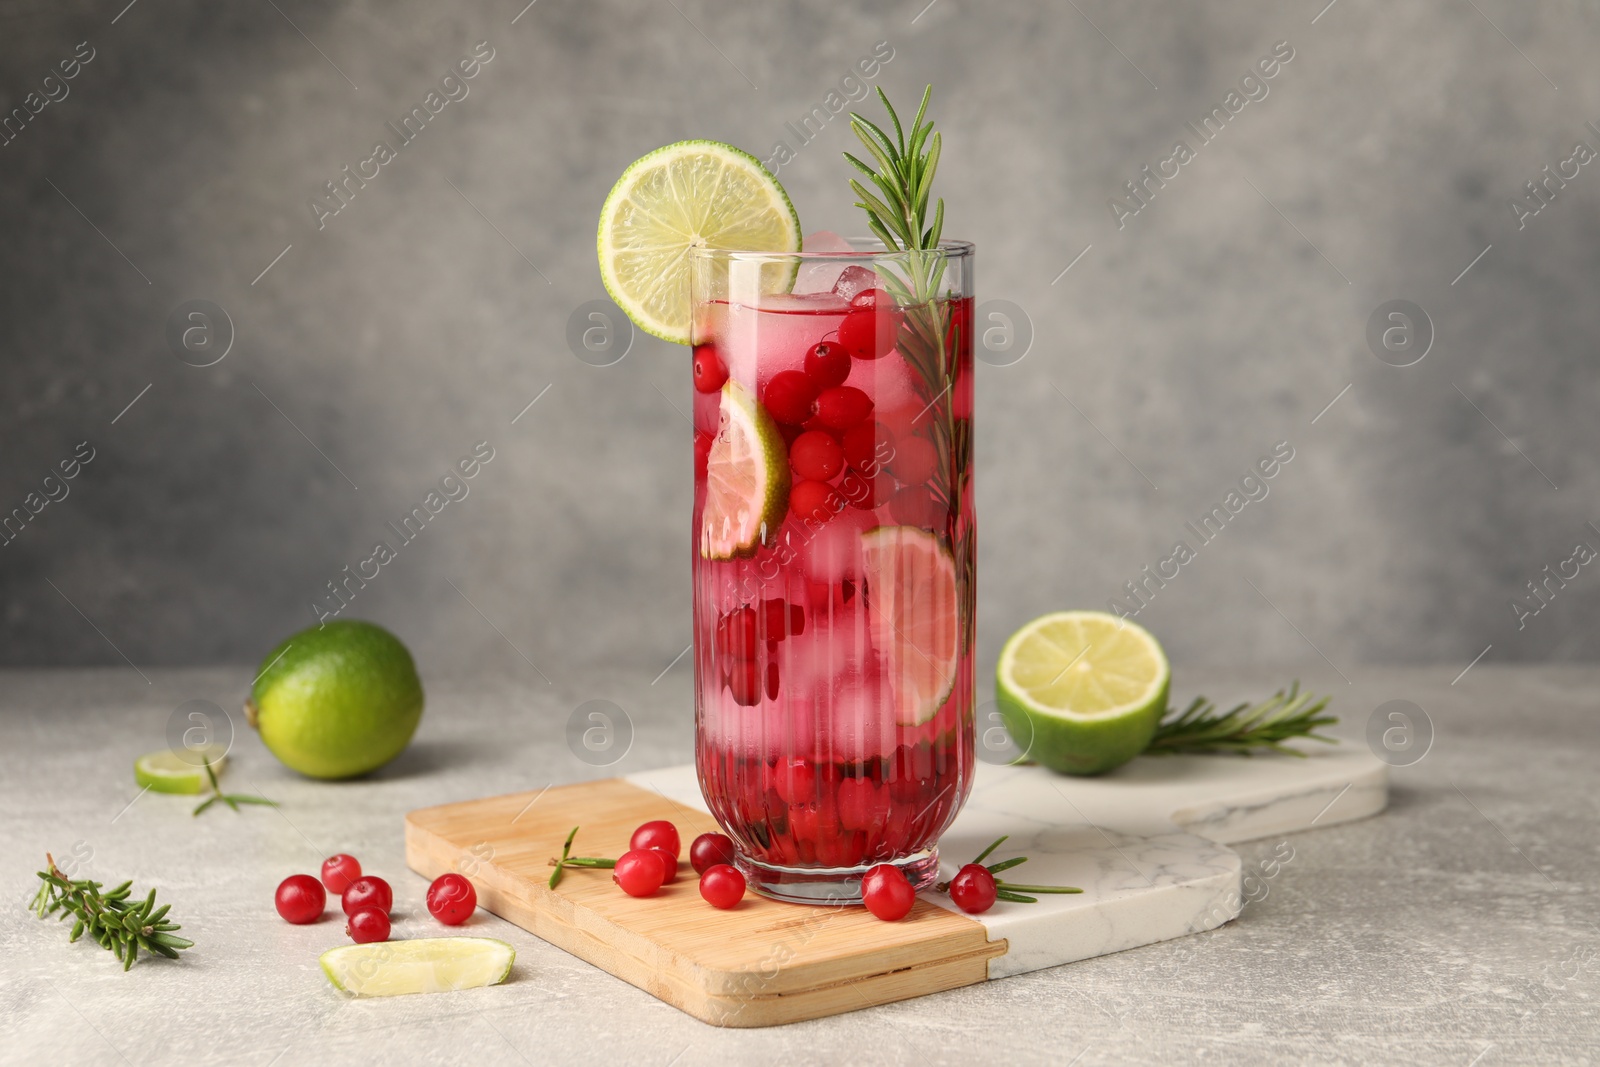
747 478
693 193
167 771
914 617
1091 688
424 965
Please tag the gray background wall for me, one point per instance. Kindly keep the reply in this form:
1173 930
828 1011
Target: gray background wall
1221 320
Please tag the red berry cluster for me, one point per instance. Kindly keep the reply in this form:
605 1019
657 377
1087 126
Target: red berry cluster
367 899
652 861
742 633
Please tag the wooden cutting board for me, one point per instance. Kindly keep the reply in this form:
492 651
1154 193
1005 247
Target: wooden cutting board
1146 844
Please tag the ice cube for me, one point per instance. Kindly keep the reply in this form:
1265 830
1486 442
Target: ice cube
833 553
854 279
819 276
774 334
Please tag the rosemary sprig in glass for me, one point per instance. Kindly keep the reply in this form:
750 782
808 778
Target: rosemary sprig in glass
1245 728
111 920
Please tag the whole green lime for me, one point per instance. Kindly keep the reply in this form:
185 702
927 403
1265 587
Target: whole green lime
337 700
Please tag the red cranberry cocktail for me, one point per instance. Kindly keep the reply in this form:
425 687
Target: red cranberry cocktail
834 553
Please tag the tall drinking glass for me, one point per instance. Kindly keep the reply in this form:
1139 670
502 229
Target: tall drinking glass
834 559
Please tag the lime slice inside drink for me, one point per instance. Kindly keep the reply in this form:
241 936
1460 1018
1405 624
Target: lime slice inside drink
1088 687
686 195
913 616
747 478
423 965
166 771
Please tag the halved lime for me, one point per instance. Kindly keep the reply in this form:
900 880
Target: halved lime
1092 688
914 616
424 965
693 193
168 771
747 478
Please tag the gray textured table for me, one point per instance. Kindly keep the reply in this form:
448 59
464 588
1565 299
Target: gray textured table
1457 928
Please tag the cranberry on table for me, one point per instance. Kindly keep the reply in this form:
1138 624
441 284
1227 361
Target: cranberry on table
789 396
972 889
339 871
709 373
669 865
827 364
300 899
886 893
452 899
367 925
815 454
657 833
709 850
722 886
639 872
842 407
368 891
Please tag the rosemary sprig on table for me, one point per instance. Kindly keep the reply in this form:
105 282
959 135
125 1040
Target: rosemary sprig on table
111 920
233 800
569 860
1243 729
1015 892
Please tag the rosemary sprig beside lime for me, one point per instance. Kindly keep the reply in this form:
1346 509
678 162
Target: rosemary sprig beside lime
1244 729
233 800
112 921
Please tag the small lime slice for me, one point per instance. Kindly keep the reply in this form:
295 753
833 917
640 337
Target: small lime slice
747 478
424 965
1088 688
693 193
913 610
167 771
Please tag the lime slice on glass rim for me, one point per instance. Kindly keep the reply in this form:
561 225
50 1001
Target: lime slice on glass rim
1088 687
422 965
688 194
167 771
913 613
747 478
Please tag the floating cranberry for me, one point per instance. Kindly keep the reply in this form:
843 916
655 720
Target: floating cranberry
842 407
789 396
709 850
772 680
817 501
862 804
915 460
339 871
827 364
300 899
452 899
870 329
815 454
915 506
709 373
973 889
867 446
367 925
736 634
886 893
744 682
722 886
866 493
657 833
368 891
639 872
